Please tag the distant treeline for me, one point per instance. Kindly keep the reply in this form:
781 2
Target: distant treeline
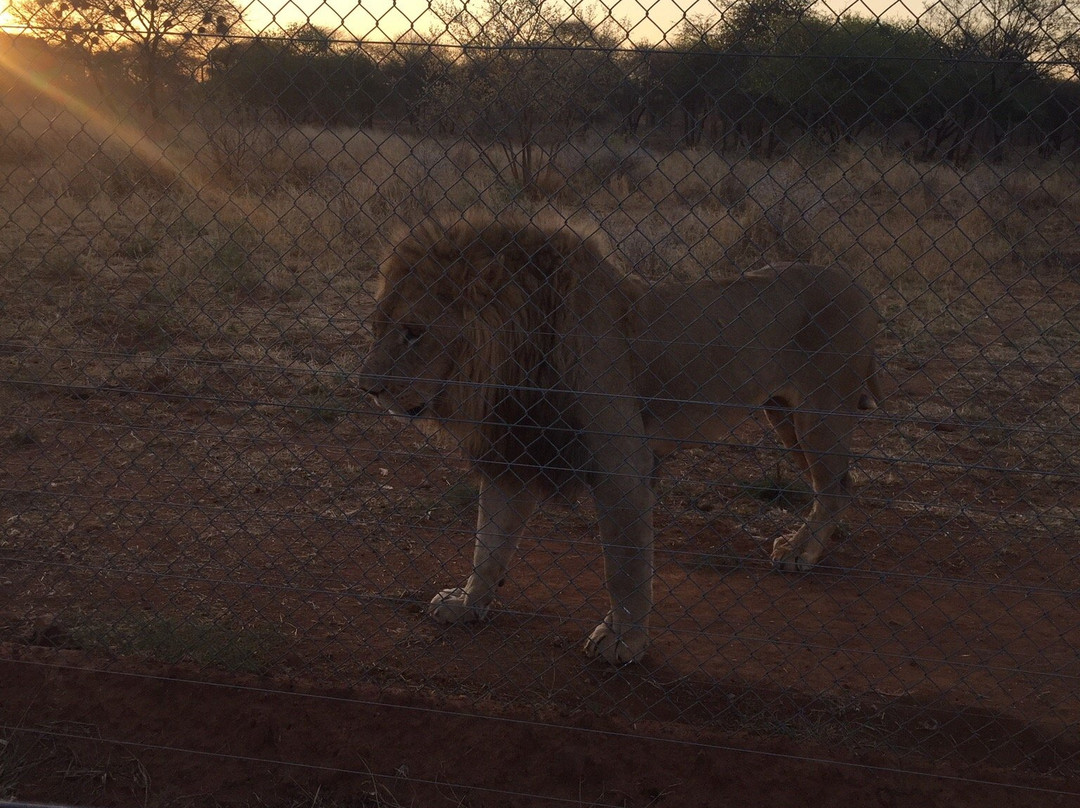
763 75
713 86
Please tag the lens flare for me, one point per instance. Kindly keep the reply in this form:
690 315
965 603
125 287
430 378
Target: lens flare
96 118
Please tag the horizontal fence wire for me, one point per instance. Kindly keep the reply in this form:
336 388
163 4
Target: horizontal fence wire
388 398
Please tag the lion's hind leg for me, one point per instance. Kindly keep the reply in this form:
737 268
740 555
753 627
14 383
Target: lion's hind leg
505 506
821 435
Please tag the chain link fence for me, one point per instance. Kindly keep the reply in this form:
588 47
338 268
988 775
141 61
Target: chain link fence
220 277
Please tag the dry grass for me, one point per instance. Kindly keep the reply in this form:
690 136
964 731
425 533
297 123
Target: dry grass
253 243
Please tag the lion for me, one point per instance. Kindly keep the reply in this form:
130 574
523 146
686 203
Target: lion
523 343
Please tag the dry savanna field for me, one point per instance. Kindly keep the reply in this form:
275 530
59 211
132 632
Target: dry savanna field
192 486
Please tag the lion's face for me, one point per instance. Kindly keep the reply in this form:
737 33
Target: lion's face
417 335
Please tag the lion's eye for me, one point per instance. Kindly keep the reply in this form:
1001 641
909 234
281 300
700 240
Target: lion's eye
412 332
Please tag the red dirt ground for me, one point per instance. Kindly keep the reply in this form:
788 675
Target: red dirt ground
210 601
153 736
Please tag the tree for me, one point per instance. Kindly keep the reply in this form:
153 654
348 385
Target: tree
1070 48
526 74
863 72
305 78
154 39
1017 32
308 38
756 25
716 72
412 67
497 23
998 53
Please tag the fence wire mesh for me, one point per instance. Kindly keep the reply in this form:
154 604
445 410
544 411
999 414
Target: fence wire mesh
247 250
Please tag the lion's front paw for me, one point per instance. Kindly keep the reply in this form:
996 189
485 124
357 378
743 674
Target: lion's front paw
615 647
796 554
452 606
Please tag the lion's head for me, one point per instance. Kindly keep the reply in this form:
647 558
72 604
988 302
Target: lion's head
417 341
474 334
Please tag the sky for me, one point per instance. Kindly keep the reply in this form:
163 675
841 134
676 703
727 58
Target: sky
650 20
385 19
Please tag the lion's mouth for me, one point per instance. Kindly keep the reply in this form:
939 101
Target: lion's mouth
388 403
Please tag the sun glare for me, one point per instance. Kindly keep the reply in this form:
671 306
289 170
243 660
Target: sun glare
7 19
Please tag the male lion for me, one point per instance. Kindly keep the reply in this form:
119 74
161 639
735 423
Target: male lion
523 343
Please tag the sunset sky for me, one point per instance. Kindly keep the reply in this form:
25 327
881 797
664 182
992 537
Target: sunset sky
382 19
376 19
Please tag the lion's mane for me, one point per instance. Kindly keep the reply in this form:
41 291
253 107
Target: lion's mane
530 293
